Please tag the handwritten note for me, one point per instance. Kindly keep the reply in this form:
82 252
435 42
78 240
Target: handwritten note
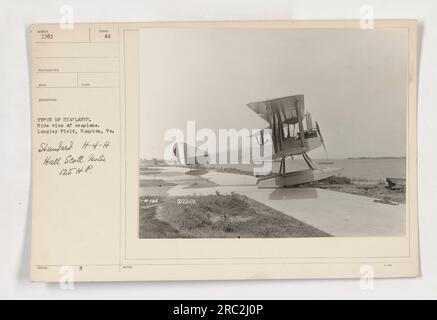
75 156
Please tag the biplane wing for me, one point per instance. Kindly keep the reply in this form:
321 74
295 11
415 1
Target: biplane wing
259 108
283 110
281 113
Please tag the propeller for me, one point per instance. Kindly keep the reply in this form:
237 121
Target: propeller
321 139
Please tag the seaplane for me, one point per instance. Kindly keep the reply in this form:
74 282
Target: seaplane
292 134
181 155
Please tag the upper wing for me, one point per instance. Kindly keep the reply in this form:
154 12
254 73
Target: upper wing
260 108
284 109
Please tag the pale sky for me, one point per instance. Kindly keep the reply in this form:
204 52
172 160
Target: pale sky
354 83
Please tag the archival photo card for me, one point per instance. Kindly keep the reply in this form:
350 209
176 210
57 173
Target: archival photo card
224 150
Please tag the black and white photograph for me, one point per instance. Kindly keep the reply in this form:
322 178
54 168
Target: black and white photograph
273 133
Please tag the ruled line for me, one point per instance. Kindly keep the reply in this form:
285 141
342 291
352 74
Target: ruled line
106 57
90 87
55 72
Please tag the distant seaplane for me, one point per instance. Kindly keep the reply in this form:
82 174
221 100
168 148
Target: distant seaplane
182 155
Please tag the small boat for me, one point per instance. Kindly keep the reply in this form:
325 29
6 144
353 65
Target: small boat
396 183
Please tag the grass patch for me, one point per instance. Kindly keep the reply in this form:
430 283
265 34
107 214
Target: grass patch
336 180
155 183
197 172
219 216
374 190
150 225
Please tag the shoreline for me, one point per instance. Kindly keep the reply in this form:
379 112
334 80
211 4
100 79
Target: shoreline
378 190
